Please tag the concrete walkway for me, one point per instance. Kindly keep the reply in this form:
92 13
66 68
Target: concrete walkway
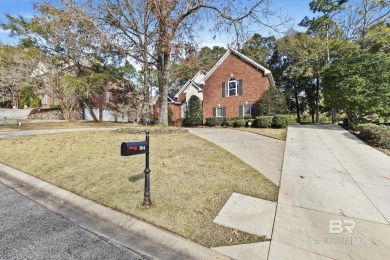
334 198
52 131
262 153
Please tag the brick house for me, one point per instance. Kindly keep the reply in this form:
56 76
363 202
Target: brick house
233 86
177 104
103 103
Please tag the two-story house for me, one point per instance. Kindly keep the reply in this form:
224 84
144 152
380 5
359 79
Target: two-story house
233 86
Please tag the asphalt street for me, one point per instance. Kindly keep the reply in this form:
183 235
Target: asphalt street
31 231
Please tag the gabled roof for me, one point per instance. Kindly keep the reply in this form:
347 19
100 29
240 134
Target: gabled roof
195 81
266 71
171 98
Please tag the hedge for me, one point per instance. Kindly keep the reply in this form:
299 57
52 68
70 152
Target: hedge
375 135
264 121
239 123
214 121
282 121
277 121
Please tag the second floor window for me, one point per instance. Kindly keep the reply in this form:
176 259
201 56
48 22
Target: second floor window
107 96
232 87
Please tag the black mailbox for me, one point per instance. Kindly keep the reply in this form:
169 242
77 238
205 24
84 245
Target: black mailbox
133 148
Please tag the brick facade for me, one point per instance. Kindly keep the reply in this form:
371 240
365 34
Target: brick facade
174 108
254 84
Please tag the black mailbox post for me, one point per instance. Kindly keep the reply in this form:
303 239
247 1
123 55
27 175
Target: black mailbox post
142 147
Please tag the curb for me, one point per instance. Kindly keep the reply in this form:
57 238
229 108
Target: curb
116 227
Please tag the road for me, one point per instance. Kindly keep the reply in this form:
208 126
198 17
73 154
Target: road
31 231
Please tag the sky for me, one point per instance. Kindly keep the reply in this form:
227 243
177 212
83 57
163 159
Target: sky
297 9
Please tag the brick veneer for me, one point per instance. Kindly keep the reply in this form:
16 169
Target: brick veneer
254 84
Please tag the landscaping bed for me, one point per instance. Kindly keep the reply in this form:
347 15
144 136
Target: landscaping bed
191 178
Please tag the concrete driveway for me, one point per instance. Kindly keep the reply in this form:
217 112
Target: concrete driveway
334 198
262 153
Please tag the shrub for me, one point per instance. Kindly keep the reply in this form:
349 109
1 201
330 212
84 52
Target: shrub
272 102
194 114
214 121
263 121
375 135
229 123
282 121
239 122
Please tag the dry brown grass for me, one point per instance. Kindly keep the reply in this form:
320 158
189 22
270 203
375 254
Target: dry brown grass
279 134
191 178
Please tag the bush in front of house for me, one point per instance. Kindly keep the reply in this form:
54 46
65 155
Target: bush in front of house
214 121
263 121
375 135
272 102
239 122
228 122
194 114
282 121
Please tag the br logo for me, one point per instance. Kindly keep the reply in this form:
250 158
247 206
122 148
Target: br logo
338 226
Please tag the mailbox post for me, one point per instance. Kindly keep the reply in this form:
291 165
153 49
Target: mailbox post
142 147
147 202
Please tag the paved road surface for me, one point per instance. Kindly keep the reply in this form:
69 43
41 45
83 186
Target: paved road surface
30 231
330 176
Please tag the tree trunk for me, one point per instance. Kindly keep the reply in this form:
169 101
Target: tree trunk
317 102
163 69
90 111
297 107
146 89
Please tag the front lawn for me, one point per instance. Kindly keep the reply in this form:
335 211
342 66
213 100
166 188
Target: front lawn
280 133
191 178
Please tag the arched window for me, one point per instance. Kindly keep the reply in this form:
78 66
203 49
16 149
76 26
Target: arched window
232 87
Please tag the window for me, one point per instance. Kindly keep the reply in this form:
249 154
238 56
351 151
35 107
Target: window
232 87
247 111
107 96
45 99
218 112
183 109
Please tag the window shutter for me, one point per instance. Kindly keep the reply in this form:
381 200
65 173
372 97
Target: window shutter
251 109
239 87
223 89
224 112
214 111
241 111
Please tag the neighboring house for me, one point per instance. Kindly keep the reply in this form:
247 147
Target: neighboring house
177 104
103 104
233 86
48 74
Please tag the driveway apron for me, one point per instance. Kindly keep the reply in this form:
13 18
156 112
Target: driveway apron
262 153
334 197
